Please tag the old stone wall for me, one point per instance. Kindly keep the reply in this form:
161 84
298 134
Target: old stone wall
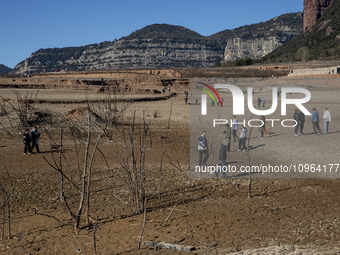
315 71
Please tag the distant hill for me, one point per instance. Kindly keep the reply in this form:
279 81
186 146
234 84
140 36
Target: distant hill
168 46
322 41
164 31
4 69
291 22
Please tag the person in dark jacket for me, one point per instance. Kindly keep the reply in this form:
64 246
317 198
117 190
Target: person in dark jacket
222 156
262 128
203 149
227 133
263 101
259 102
35 137
296 118
27 141
302 121
315 121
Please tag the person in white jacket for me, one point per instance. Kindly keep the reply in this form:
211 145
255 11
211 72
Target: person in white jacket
326 119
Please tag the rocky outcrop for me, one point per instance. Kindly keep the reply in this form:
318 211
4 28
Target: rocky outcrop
255 48
263 39
312 10
146 53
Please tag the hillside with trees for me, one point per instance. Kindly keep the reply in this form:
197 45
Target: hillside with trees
160 46
320 42
4 69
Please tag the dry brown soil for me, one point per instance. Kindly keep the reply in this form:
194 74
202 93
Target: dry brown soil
283 216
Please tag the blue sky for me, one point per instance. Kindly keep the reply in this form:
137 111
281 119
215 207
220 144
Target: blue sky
27 26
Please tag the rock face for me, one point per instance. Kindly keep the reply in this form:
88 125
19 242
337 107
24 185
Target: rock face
312 10
261 40
145 53
254 48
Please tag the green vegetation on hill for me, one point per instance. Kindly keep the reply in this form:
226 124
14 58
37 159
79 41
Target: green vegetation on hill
4 69
160 33
285 23
291 22
55 58
164 31
321 42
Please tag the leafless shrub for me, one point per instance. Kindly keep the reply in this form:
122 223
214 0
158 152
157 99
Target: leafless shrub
155 114
24 108
302 54
81 183
107 112
131 157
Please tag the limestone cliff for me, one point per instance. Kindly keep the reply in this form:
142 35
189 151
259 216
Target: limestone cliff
261 40
254 48
145 53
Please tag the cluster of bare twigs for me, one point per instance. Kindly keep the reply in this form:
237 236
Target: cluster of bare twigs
131 158
19 113
107 112
80 183
24 107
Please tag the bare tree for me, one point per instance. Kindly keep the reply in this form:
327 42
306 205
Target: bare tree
82 184
24 108
302 54
144 222
107 112
131 157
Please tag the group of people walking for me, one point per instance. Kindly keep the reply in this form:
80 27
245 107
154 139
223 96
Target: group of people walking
217 102
225 145
299 117
31 137
259 101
